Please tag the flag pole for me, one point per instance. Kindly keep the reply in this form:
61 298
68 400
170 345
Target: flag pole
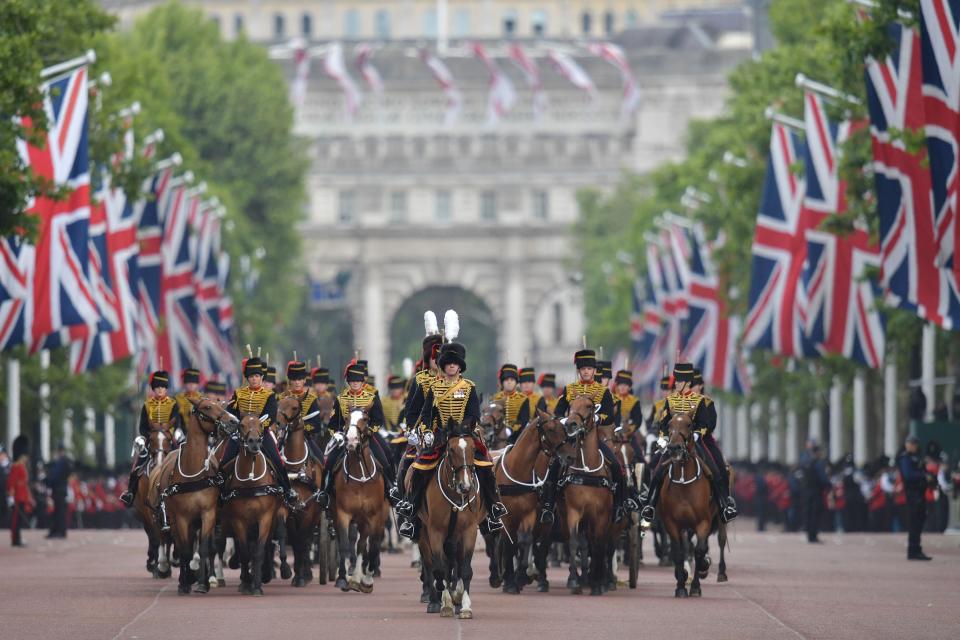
803 82
69 65
13 401
771 114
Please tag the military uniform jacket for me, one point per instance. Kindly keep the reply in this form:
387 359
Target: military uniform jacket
308 404
159 411
445 401
347 401
702 409
516 409
550 406
418 395
254 401
392 412
627 409
599 393
184 404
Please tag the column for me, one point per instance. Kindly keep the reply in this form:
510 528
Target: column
859 418
374 346
836 420
815 422
890 444
13 403
928 370
514 327
756 435
90 435
743 431
44 413
791 453
727 429
775 433
68 432
109 439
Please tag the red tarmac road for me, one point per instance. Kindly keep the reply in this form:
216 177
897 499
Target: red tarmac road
94 585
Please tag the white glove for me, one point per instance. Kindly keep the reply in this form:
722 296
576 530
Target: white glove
338 437
414 439
428 439
139 442
696 436
662 442
9 501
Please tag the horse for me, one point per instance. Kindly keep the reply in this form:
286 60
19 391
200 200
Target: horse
619 439
587 496
520 471
306 476
493 425
188 493
252 504
158 446
686 505
359 503
451 513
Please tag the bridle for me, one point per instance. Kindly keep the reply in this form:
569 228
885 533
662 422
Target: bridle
576 432
544 446
218 423
449 484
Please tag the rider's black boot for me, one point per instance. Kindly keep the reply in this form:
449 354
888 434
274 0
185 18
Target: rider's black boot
415 496
548 493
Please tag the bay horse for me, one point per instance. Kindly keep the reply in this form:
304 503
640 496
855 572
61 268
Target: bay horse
451 513
493 425
686 505
306 477
520 471
587 496
360 501
158 444
253 502
619 439
188 493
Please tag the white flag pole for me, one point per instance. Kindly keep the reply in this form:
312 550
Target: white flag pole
13 401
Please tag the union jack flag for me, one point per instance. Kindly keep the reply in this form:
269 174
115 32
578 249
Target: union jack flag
149 238
61 296
177 338
940 48
908 270
842 314
778 301
207 294
16 271
645 328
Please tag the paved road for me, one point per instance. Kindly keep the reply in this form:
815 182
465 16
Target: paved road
93 585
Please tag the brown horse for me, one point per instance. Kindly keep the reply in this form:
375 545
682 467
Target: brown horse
520 472
493 425
619 440
306 477
188 494
252 504
359 502
451 513
587 495
158 445
687 506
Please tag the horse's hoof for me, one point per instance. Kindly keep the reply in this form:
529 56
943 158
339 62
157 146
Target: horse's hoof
221 582
695 592
183 590
680 593
234 562
495 582
257 592
202 588
446 612
611 586
576 590
596 591
433 607
722 577
366 588
543 587
376 572
465 614
285 572
511 588
297 582
665 562
341 584
245 589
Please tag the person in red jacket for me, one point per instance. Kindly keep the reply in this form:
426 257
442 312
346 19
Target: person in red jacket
18 489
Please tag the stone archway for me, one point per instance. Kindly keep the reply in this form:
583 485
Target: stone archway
478 329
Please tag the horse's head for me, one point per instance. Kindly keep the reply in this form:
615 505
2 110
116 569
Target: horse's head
358 431
459 457
680 437
161 437
251 432
211 414
491 418
579 421
326 406
552 432
288 414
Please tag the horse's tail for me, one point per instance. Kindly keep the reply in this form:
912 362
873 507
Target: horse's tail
722 538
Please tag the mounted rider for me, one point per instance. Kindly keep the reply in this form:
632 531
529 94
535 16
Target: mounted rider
215 390
158 409
270 378
357 395
587 366
683 399
627 411
516 413
255 399
297 388
548 387
190 379
659 407
534 400
451 399
604 372
320 380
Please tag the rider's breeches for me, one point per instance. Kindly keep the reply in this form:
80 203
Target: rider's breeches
716 459
488 485
616 472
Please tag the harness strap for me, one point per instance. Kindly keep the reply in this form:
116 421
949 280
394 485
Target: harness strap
254 492
515 489
188 487
585 481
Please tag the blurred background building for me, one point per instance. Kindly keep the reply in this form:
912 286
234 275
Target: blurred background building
410 209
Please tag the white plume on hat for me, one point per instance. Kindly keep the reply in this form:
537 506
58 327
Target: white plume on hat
451 325
430 323
407 367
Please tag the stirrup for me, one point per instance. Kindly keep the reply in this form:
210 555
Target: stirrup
407 529
405 508
497 510
127 498
547 516
729 514
494 525
631 505
322 498
648 513
393 495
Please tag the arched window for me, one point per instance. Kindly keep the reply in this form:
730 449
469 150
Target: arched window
585 20
306 25
382 26
278 25
538 23
509 23
608 23
351 24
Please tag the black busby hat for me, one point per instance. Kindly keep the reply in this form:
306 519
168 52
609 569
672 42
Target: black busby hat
683 372
270 375
320 375
159 379
395 382
624 376
21 446
354 372
548 380
296 370
252 367
363 364
527 374
189 375
585 358
215 386
452 352
605 368
509 371
697 377
665 383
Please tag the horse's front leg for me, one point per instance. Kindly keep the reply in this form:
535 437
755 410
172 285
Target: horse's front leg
344 544
679 560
